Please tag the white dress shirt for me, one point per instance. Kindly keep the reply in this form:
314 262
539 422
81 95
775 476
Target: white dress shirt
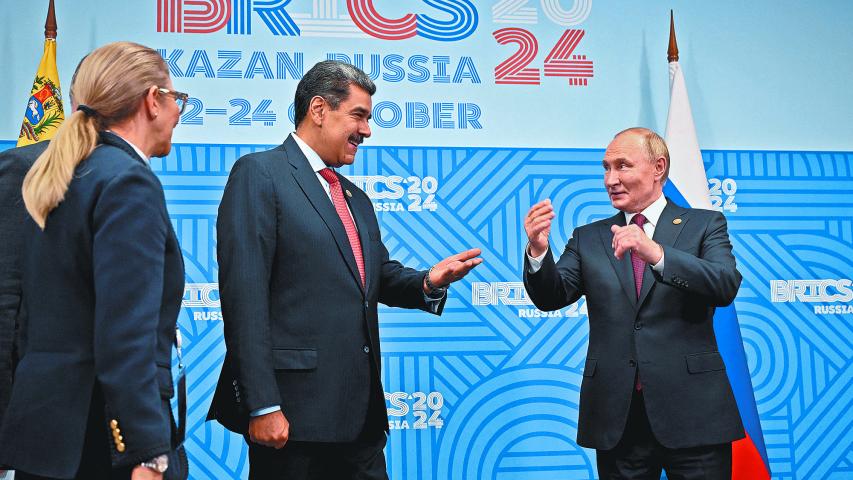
134 147
652 214
318 164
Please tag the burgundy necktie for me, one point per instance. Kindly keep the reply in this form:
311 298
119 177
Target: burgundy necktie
639 265
341 207
636 262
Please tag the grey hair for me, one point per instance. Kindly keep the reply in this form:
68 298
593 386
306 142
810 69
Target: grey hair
329 79
654 144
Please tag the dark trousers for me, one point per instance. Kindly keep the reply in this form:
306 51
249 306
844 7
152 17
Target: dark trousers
638 455
359 460
363 459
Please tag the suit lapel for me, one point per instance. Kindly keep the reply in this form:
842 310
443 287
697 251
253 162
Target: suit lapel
666 233
624 271
310 185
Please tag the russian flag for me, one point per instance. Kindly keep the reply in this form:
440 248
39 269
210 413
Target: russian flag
688 186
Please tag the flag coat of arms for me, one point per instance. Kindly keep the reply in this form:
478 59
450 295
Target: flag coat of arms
44 112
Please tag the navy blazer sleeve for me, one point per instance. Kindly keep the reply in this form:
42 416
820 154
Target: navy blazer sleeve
246 243
555 285
129 240
713 273
402 286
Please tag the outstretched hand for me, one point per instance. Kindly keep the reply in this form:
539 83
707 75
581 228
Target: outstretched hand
454 268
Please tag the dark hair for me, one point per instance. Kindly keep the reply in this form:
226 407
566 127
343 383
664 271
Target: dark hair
329 79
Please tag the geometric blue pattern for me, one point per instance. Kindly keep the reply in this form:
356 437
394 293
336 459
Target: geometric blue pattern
489 390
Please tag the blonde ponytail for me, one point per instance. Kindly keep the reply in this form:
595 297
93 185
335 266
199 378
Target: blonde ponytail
111 82
48 179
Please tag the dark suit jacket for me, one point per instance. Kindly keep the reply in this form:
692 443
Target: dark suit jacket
300 330
14 165
102 286
668 334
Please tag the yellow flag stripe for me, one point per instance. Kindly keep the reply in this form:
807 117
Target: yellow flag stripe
44 113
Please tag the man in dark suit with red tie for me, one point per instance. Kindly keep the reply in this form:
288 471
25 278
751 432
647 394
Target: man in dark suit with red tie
655 394
302 268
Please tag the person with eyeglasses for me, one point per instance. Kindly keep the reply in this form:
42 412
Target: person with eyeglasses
102 282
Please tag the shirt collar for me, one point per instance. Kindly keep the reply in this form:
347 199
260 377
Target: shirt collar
134 147
652 212
314 160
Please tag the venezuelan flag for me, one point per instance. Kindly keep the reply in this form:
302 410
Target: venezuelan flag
688 186
44 113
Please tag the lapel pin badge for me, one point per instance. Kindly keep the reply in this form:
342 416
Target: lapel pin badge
349 194
677 221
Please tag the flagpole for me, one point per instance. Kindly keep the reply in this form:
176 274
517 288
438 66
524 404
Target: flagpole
50 22
672 51
689 179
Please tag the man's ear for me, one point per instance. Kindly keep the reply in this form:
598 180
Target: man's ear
660 168
317 110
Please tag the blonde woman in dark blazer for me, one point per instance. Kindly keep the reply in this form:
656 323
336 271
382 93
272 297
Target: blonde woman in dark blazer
103 279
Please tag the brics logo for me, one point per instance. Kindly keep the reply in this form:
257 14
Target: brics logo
236 18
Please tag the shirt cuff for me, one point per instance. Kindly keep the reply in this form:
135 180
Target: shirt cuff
658 267
433 303
535 262
264 411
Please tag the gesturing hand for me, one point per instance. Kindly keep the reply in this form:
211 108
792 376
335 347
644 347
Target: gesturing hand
633 238
270 430
537 224
454 268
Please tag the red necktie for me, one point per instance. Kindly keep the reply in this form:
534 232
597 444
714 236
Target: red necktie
636 262
639 265
341 207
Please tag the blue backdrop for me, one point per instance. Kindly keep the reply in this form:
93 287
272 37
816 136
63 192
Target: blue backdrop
489 390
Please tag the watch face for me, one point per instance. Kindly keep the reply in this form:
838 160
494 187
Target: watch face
158 464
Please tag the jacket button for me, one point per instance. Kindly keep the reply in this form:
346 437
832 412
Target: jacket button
120 447
366 349
638 325
632 363
366 304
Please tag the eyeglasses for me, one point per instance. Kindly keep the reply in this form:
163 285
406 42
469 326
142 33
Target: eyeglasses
180 97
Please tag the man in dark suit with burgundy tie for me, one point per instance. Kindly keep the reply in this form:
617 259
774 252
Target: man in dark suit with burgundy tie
302 268
655 394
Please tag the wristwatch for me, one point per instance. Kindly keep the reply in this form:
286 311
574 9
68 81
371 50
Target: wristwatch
434 290
159 463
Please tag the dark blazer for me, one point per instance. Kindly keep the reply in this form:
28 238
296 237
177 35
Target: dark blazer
300 330
14 165
102 286
668 334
